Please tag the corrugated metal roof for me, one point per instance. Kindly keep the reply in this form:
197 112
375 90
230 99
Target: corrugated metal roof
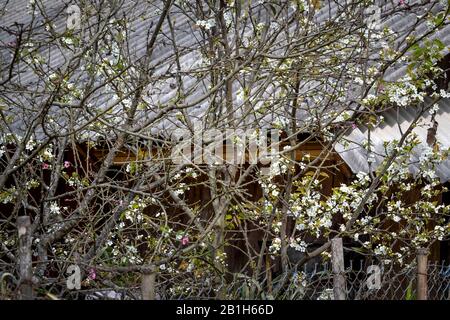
395 124
397 120
188 38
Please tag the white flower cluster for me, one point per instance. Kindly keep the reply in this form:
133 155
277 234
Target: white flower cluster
434 109
298 244
426 155
134 212
30 145
187 172
444 94
54 208
206 24
67 40
428 160
315 214
382 250
370 99
181 188
275 246
311 213
33 183
8 195
270 189
403 92
342 116
363 178
395 209
260 26
228 17
131 256
278 165
440 232
74 181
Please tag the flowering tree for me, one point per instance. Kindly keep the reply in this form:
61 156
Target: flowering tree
101 100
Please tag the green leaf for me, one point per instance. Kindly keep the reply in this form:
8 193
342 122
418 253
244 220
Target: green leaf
409 293
439 44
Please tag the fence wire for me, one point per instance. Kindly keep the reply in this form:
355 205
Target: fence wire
394 283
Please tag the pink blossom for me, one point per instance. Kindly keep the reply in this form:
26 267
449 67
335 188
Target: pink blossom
354 126
45 166
185 240
67 164
92 274
401 2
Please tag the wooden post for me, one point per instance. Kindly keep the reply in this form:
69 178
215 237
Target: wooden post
148 285
422 272
24 259
337 257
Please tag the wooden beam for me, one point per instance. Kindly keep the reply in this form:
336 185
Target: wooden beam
337 256
24 261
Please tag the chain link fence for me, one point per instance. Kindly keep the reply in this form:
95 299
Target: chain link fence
375 282
363 281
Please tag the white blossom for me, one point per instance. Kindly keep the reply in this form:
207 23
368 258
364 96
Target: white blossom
206 24
54 208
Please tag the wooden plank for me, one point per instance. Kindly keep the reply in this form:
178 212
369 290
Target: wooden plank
24 261
337 256
148 282
422 272
314 150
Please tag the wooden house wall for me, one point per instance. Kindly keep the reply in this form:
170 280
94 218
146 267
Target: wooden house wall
337 173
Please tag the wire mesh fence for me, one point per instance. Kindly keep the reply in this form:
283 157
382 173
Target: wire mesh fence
438 282
376 282
362 282
373 282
